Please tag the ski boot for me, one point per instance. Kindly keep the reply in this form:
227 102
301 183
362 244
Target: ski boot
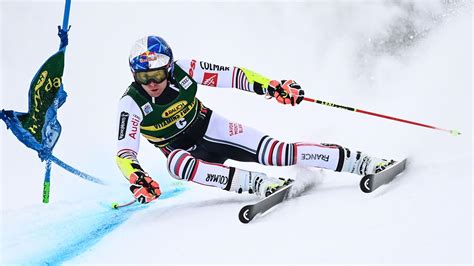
362 164
264 186
379 167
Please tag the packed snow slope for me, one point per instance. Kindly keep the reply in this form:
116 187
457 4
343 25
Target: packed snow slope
402 58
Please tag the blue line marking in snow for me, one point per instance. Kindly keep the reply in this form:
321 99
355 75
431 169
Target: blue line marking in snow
83 232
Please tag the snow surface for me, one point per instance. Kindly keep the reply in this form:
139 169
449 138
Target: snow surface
407 59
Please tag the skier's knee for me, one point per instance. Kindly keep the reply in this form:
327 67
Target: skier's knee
181 164
273 152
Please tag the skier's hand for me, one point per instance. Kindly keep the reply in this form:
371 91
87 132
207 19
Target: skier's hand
144 188
286 92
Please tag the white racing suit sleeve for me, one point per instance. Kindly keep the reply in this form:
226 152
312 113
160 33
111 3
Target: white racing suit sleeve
128 144
213 75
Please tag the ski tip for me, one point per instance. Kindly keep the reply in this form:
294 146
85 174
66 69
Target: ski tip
244 215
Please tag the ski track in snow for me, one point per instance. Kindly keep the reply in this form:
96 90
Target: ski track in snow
75 228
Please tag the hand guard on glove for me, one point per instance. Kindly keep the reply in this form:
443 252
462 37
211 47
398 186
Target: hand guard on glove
286 92
144 188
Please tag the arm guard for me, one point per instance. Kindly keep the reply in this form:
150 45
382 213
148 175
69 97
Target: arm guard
128 164
260 83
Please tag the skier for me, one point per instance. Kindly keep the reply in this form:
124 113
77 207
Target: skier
161 105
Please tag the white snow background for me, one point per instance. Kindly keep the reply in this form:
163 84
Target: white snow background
409 59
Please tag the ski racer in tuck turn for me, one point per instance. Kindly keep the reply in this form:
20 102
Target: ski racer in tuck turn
161 105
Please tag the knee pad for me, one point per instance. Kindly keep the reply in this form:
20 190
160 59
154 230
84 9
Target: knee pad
181 164
274 152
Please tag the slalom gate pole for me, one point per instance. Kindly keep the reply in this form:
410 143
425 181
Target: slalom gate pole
47 175
46 183
67 8
452 132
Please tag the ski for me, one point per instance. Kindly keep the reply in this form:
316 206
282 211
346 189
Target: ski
248 212
371 182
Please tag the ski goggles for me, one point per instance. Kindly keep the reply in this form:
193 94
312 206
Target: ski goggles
155 75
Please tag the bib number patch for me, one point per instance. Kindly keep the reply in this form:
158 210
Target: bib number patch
181 123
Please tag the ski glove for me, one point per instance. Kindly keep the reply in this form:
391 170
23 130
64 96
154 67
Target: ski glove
286 92
144 188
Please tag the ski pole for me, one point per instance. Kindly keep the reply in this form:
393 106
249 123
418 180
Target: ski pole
116 205
452 132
